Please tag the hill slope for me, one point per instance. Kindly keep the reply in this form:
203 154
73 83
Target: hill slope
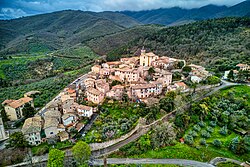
53 30
175 15
218 44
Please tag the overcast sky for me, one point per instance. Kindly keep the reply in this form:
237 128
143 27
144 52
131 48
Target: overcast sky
18 8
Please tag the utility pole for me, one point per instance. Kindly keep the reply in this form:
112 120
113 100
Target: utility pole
105 161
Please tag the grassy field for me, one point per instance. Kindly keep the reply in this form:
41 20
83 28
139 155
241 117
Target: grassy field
183 151
64 70
115 119
143 148
48 87
17 60
241 91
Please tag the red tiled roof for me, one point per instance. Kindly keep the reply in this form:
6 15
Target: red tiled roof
71 91
241 65
83 107
19 102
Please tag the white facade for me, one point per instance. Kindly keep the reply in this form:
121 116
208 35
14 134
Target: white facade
84 112
196 79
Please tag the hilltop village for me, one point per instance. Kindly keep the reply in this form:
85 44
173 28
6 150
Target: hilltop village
137 78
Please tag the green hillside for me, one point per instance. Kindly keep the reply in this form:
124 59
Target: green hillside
52 31
178 16
27 68
218 44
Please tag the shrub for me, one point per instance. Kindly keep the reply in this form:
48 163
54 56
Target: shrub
238 146
205 134
223 130
217 143
42 150
210 129
212 123
201 124
197 128
203 141
193 133
189 139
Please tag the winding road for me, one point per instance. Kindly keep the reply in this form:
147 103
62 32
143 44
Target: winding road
144 129
184 162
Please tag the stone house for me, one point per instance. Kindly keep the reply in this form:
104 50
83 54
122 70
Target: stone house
113 64
96 69
69 119
181 85
13 108
67 103
142 91
89 82
50 127
102 86
63 136
243 67
116 92
127 74
85 111
95 95
32 130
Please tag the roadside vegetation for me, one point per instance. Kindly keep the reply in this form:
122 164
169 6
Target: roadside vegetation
213 127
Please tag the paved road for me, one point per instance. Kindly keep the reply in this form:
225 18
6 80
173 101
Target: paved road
136 135
218 160
184 162
77 82
87 127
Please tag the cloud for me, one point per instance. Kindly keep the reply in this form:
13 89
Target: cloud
17 8
9 13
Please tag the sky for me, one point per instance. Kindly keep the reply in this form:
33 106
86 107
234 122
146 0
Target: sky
18 8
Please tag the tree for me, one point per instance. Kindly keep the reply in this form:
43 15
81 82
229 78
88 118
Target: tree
56 158
167 103
180 64
17 140
3 115
212 80
217 143
28 111
115 82
151 71
81 152
163 135
223 130
186 70
231 75
238 146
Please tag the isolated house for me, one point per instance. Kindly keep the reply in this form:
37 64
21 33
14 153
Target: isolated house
13 108
243 67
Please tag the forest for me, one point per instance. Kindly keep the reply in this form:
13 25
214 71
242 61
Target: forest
217 44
